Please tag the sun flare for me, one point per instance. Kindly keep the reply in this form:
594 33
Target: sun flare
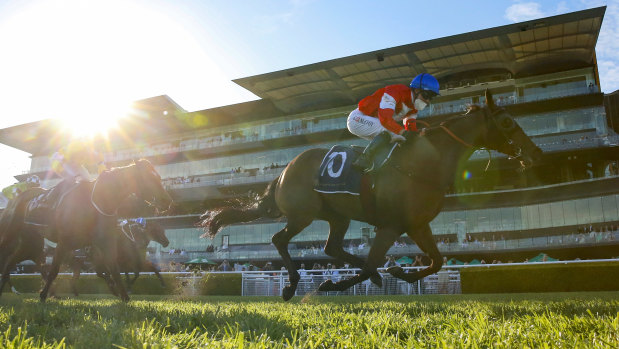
87 121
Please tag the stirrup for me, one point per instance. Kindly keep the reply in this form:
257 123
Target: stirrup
364 165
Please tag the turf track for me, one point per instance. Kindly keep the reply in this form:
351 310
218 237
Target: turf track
464 321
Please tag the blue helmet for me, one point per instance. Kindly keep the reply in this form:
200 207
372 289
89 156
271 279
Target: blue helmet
141 221
425 82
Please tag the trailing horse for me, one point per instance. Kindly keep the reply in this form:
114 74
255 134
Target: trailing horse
131 253
86 215
409 192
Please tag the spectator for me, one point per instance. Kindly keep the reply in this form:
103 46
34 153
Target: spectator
268 266
418 261
391 262
225 266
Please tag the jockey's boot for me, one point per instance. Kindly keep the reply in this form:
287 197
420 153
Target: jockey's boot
364 162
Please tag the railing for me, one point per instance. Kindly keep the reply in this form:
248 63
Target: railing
573 240
460 106
334 123
271 283
254 133
446 281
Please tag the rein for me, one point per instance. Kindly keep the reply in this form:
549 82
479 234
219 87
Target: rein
453 135
456 138
132 237
92 201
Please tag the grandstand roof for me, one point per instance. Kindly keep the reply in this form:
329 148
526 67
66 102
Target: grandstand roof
527 48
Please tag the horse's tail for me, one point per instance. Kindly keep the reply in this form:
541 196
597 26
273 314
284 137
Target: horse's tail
264 206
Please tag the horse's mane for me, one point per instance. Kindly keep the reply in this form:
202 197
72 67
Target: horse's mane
132 164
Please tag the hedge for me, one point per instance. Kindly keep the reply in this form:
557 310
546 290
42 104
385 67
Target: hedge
209 284
552 277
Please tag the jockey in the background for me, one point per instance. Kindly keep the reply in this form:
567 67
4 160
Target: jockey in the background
15 189
69 162
379 117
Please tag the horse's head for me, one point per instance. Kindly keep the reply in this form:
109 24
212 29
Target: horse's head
504 135
156 233
148 185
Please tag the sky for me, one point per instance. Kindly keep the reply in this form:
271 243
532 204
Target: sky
84 61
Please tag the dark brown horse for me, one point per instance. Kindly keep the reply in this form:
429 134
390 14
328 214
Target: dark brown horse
132 250
85 216
131 253
409 193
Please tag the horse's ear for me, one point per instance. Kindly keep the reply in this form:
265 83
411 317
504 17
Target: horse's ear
489 99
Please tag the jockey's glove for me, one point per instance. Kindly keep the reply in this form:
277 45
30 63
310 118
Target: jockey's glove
409 135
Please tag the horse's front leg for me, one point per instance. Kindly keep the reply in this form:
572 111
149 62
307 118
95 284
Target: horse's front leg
109 257
5 268
382 242
132 280
59 256
423 238
76 276
335 247
149 266
7 262
281 240
108 281
118 282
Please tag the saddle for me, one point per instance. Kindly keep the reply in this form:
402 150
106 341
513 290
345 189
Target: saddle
40 209
337 175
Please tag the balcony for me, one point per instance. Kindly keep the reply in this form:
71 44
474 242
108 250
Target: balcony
536 243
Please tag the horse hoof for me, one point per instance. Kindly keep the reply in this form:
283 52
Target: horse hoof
287 293
327 286
377 280
396 271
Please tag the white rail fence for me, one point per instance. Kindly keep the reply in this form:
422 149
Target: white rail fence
447 281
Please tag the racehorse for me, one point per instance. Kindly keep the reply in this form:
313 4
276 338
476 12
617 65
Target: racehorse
132 250
131 253
84 216
408 192
16 243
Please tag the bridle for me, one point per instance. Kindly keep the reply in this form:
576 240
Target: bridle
504 124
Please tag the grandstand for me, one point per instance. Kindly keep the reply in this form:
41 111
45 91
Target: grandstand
544 72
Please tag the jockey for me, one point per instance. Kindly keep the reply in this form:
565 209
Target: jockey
377 116
15 189
69 161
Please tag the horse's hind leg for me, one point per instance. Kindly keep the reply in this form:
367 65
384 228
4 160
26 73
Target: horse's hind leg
383 241
6 276
281 240
335 247
425 241
59 256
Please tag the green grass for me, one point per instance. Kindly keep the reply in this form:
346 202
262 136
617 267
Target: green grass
564 320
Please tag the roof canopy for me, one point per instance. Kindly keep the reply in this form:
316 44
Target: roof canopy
527 48
540 46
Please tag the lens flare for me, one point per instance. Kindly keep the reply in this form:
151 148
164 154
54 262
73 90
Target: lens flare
466 175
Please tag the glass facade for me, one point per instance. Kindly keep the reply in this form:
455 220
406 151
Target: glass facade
586 211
